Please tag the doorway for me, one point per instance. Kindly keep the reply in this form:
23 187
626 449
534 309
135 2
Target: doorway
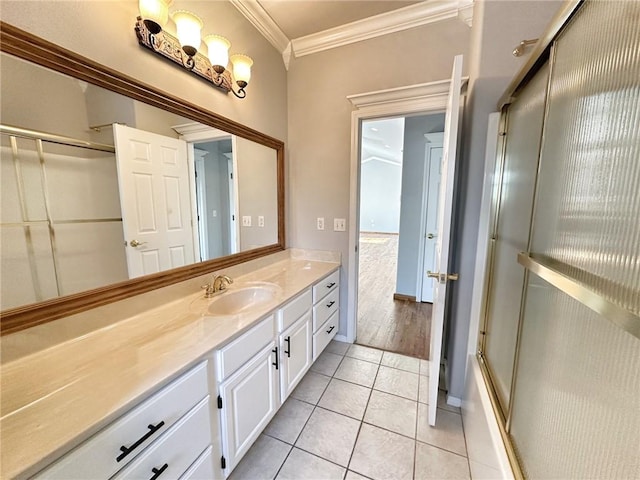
399 182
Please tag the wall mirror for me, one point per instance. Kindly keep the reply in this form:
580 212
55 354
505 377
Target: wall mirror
110 188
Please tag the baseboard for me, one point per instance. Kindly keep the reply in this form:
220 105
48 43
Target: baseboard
341 338
454 401
402 297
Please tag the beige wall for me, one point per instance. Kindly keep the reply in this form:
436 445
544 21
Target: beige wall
320 120
103 31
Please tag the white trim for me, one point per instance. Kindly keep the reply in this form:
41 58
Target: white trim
465 12
482 249
341 338
454 401
195 132
260 19
404 18
384 103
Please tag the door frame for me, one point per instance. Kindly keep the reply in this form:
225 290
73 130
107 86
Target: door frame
433 140
423 98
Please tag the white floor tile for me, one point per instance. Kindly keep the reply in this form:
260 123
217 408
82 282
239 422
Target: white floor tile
397 382
423 390
330 436
402 362
364 353
339 348
392 413
446 434
357 371
436 464
345 398
383 455
289 421
262 461
304 466
311 387
327 363
424 367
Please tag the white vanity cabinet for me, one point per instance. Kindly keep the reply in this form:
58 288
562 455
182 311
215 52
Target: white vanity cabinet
160 438
326 311
248 390
294 322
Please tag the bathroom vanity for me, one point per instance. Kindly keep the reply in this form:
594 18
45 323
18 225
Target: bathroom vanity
176 391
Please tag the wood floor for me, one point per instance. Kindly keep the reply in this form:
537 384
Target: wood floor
400 326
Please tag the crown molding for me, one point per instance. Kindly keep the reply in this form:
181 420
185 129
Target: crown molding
394 95
378 25
260 19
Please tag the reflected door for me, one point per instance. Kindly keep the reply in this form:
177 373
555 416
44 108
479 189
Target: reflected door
445 207
153 178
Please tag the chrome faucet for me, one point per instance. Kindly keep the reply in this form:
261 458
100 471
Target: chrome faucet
218 284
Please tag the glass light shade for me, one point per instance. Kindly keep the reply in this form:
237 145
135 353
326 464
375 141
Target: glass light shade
188 28
155 13
218 50
241 68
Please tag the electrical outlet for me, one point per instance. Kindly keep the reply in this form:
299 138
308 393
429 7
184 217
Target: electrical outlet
246 220
320 223
339 224
261 220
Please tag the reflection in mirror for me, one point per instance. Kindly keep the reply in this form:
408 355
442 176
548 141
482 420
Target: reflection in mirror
98 188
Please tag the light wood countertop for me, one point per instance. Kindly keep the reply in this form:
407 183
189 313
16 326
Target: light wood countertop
53 399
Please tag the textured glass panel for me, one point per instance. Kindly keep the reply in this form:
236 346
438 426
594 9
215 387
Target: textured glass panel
576 406
514 217
588 210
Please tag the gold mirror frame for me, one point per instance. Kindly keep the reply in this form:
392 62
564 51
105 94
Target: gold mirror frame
26 46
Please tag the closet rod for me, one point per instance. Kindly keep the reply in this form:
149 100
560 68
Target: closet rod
50 137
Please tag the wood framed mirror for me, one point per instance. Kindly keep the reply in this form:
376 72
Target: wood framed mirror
19 44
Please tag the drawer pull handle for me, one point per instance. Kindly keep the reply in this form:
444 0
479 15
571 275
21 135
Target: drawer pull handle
158 471
330 285
330 304
126 451
288 350
275 350
331 329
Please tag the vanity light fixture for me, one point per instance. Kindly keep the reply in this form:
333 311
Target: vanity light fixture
183 50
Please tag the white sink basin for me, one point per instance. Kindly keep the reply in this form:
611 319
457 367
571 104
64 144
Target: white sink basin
243 299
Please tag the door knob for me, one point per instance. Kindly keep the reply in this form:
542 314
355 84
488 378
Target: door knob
430 236
136 243
443 277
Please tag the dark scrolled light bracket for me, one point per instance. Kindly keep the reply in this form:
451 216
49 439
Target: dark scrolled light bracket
168 46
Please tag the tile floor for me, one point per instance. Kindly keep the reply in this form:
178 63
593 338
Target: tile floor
359 413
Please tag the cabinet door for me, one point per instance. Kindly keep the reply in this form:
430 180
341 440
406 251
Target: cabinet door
295 345
249 402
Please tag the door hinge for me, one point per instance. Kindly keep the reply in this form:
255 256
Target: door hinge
223 462
219 401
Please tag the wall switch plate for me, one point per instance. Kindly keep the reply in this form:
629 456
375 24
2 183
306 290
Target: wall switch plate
320 223
246 220
339 225
214 213
261 220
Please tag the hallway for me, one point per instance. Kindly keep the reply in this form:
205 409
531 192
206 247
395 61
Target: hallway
400 326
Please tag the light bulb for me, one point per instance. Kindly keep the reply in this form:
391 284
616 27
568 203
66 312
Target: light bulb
155 14
218 48
188 28
241 69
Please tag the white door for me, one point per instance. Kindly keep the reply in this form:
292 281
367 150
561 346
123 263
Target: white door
153 177
249 402
295 345
445 204
433 165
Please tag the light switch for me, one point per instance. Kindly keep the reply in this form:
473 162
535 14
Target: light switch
339 224
261 220
246 220
320 223
214 213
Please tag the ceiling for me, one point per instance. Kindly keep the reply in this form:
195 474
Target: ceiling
383 140
298 18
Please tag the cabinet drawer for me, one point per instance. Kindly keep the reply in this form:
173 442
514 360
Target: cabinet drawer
98 456
326 285
238 352
177 449
325 308
202 468
324 335
293 310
